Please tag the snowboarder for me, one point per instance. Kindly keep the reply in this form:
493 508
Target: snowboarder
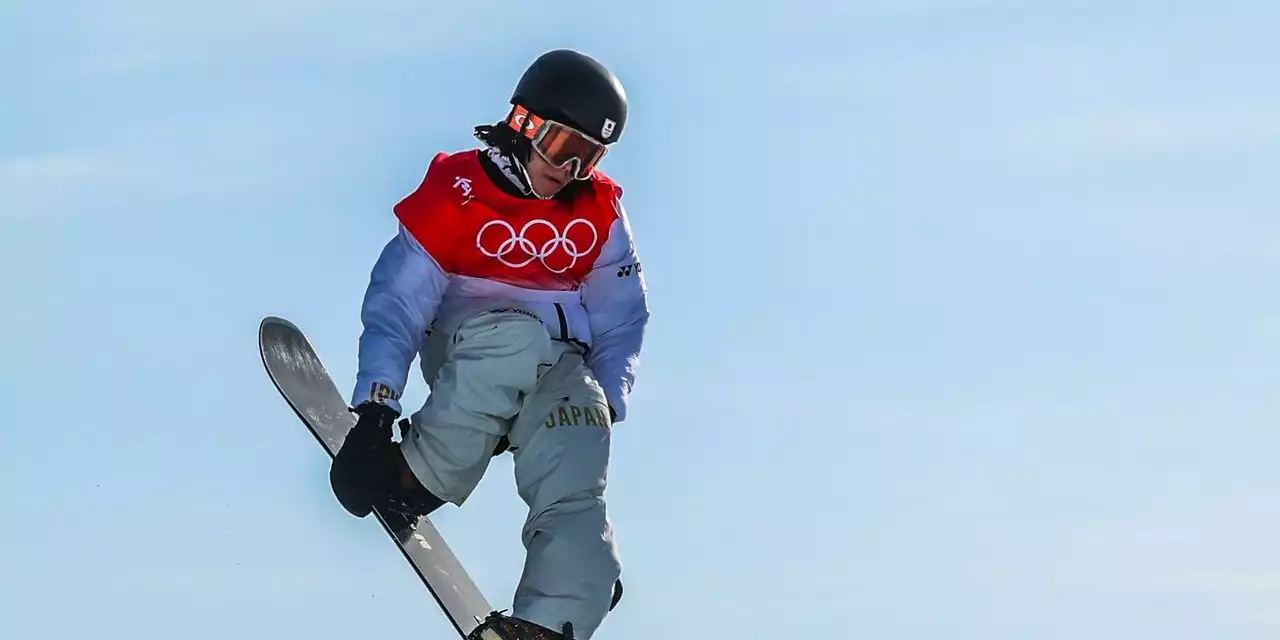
515 277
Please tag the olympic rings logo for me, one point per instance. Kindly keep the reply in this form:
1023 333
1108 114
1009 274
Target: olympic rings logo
537 240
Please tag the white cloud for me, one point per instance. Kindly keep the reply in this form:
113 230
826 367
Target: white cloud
200 154
1202 560
1153 129
51 171
36 185
215 153
138 36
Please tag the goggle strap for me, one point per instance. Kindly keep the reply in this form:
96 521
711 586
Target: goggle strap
523 122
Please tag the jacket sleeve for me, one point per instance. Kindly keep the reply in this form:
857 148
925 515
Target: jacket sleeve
404 292
615 297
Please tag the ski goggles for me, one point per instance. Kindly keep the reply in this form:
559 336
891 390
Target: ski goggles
558 143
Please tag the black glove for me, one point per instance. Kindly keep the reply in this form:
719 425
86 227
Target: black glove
361 468
372 430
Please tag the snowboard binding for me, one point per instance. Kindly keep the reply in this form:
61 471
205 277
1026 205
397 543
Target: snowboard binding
499 626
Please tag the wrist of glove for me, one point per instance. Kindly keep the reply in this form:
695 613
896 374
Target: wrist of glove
373 425
375 411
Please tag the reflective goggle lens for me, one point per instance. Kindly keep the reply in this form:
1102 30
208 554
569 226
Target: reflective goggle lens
559 145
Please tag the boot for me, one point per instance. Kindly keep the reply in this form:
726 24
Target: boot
502 627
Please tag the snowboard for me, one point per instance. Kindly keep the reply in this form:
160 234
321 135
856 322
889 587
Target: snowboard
300 377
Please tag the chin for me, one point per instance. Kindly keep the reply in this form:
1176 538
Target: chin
550 187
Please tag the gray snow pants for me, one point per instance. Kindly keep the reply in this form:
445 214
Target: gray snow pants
497 372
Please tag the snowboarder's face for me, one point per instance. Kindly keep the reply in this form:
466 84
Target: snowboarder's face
548 180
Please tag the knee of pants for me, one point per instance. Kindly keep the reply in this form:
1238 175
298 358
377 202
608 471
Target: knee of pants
449 460
491 365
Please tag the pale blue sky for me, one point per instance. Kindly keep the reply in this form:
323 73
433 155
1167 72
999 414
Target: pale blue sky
965 312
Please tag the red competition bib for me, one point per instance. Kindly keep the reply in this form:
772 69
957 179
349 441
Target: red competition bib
474 228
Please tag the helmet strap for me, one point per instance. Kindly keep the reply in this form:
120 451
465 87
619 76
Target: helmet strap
528 181
511 167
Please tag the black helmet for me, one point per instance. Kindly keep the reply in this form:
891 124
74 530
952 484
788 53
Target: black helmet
575 89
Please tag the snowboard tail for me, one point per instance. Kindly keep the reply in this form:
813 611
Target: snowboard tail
298 374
